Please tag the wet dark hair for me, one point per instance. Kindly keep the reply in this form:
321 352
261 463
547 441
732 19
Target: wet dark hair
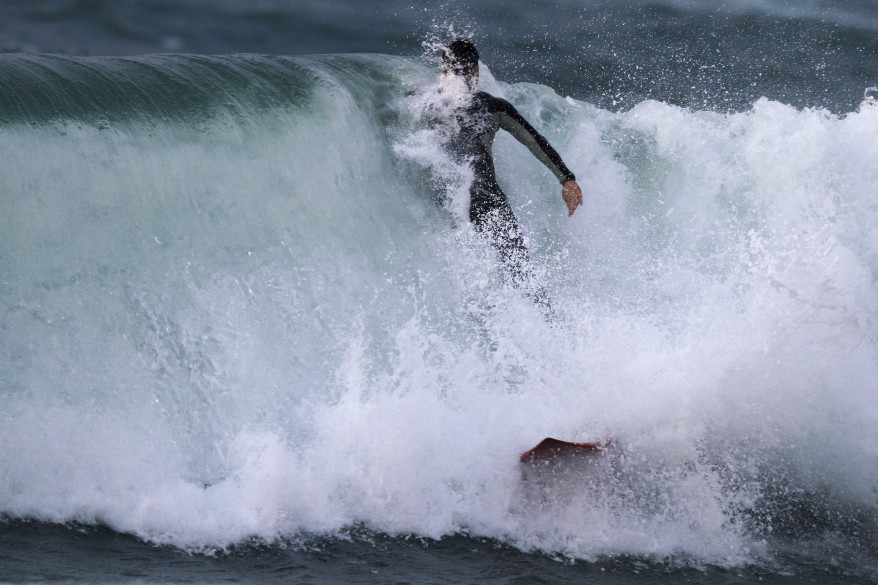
461 58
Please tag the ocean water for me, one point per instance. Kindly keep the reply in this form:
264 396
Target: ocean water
247 335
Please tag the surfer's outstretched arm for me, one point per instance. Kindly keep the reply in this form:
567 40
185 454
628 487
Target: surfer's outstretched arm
515 124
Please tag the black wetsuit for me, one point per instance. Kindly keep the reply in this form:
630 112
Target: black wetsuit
489 208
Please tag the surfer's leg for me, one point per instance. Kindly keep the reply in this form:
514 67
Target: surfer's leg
493 217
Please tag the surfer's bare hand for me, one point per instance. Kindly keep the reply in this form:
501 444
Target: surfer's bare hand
572 195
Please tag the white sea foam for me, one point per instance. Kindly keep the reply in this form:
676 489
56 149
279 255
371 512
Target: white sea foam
274 331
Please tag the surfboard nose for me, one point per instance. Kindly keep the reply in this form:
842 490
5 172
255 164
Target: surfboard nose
551 448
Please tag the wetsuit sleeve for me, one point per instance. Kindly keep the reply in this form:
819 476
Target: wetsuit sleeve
515 124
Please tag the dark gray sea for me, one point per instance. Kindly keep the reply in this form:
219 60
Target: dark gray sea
711 54
247 334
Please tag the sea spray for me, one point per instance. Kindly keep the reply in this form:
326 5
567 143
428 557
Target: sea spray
248 318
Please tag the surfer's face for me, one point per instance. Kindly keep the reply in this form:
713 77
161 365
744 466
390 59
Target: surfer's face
469 75
470 78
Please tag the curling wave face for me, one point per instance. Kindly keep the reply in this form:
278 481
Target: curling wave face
232 309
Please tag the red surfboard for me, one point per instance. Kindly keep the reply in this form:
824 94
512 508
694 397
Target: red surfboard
550 448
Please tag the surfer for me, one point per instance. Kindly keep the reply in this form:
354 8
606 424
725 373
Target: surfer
478 118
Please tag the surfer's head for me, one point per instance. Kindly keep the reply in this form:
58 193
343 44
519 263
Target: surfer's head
461 58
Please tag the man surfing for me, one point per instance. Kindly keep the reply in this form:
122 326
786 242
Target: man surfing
479 116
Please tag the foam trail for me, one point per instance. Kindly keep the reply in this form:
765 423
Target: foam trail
248 318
